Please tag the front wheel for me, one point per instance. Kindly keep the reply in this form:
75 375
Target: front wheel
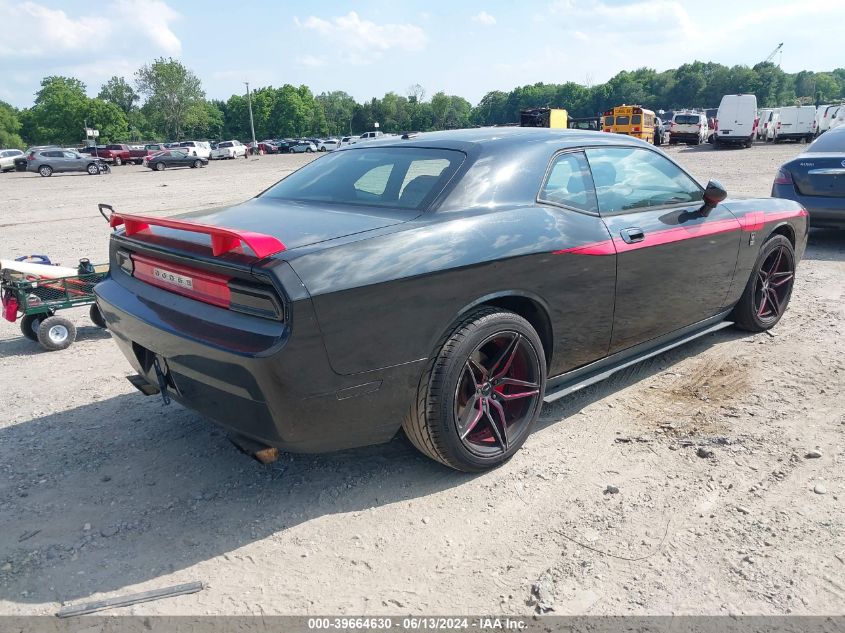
93 169
480 396
197 164
56 333
769 289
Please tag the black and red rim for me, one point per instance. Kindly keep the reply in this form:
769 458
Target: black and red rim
773 284
497 393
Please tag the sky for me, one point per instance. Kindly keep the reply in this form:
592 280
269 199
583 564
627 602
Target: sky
370 47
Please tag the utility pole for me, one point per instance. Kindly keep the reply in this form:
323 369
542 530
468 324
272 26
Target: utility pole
251 122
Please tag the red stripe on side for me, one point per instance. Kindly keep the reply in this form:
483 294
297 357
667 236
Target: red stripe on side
751 221
604 247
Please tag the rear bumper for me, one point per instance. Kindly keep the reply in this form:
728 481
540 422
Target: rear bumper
253 375
684 137
824 211
732 140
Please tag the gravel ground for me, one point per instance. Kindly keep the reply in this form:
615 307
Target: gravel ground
608 509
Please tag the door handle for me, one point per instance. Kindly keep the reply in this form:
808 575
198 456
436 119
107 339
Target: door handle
631 235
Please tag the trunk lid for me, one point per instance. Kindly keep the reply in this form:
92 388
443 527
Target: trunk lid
819 175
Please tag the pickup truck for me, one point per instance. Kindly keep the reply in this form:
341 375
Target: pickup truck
137 156
118 154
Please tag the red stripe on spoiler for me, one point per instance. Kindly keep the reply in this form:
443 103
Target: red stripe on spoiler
223 240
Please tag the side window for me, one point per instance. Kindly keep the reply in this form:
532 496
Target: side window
628 178
68 154
569 183
374 182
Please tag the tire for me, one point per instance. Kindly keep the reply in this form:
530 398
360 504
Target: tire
118 161
30 324
468 354
93 169
45 170
56 333
771 277
309 150
160 166
97 316
197 164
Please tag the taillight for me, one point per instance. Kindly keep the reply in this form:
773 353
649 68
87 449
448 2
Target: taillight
636 129
189 282
778 124
716 125
783 177
31 157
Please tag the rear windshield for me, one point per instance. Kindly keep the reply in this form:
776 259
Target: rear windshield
831 141
686 119
225 144
622 120
403 178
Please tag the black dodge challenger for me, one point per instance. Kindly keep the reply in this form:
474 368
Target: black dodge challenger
447 283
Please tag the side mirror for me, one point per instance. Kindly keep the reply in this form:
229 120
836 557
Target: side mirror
714 193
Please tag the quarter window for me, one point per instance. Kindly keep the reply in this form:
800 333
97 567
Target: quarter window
569 183
629 178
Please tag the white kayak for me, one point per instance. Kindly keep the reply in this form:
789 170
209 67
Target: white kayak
41 271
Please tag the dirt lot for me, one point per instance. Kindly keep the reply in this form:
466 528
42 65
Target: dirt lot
105 492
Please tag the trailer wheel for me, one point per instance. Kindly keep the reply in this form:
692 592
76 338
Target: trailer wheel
56 333
30 324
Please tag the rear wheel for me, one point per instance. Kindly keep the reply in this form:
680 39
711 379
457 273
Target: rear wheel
97 316
30 324
118 161
56 333
45 170
769 289
479 398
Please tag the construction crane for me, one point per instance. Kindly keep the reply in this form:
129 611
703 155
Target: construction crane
773 53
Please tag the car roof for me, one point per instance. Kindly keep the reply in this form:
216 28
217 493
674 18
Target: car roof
501 137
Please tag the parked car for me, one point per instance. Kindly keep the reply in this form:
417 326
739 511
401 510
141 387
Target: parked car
197 148
117 153
22 162
689 128
822 119
425 287
735 121
298 147
796 123
7 159
328 145
174 158
346 140
229 150
55 160
816 179
94 150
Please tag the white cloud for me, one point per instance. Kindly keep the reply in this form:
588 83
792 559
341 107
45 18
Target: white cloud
311 61
484 19
32 30
364 40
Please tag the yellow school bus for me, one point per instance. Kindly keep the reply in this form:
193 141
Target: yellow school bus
544 117
634 121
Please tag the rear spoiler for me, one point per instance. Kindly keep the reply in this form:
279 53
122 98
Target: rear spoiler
223 240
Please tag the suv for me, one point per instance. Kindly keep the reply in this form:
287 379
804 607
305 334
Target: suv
688 127
7 159
229 149
54 160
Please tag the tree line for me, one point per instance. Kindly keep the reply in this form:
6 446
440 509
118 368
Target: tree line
164 100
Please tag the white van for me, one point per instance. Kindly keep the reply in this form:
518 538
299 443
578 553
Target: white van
823 113
796 123
837 117
762 120
735 121
770 132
